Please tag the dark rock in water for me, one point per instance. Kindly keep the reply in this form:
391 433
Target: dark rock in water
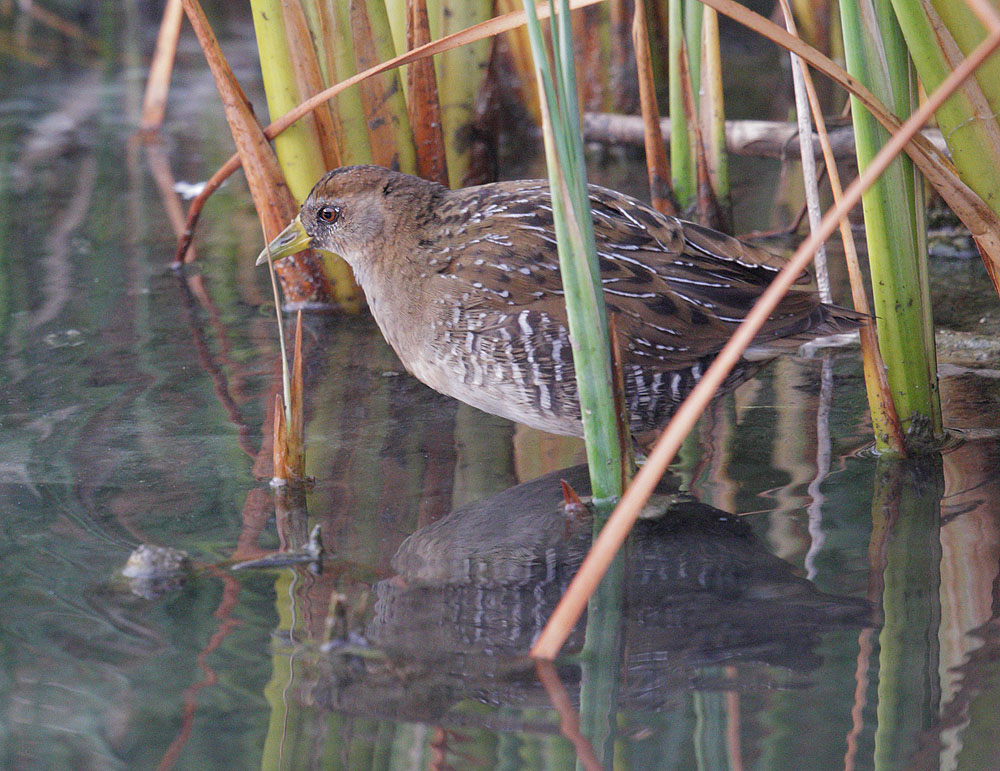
155 570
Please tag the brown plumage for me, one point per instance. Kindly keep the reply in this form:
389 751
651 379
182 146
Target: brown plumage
465 286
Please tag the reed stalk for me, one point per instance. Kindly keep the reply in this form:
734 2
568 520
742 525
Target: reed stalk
894 220
660 193
693 18
589 332
341 65
682 161
460 74
712 112
577 250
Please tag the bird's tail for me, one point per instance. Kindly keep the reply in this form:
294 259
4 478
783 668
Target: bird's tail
826 321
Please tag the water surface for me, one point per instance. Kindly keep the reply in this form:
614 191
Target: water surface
799 603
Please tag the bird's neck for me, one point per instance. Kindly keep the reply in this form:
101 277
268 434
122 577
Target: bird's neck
395 269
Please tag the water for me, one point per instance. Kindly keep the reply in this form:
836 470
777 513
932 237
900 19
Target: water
802 605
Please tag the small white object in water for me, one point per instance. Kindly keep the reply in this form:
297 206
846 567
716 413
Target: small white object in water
188 190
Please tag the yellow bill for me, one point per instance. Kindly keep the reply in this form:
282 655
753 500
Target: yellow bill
291 240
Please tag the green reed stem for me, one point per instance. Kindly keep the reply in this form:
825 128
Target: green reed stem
588 327
684 175
712 110
894 218
577 250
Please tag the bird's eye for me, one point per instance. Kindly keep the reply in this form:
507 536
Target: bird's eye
328 214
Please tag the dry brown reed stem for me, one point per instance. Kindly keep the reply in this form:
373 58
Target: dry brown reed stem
261 166
610 539
660 193
476 32
424 103
377 94
275 207
304 279
154 103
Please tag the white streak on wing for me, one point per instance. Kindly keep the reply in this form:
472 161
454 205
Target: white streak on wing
694 301
544 398
557 346
677 279
630 294
656 391
522 322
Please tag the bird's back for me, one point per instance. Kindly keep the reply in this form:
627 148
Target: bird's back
497 335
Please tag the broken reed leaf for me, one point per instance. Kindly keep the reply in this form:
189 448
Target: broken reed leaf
279 447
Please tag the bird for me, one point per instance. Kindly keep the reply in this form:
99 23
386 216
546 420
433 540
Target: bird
465 286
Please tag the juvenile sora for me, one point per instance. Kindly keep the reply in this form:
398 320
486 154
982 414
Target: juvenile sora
465 286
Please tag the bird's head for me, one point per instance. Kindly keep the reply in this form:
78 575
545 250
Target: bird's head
353 211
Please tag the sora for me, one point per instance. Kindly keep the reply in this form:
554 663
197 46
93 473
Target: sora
465 286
